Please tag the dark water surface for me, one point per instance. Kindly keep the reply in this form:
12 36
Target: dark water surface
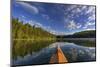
31 53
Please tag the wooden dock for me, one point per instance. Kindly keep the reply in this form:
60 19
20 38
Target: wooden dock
58 57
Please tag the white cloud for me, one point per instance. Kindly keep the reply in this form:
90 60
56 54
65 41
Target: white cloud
90 29
77 8
91 23
71 7
88 24
55 32
49 29
79 25
37 24
77 11
91 12
59 32
90 9
23 16
45 16
91 18
84 7
34 23
29 8
71 25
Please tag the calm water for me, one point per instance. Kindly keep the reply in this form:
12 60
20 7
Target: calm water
41 55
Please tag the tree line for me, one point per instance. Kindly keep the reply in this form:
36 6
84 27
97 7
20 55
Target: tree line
82 34
22 30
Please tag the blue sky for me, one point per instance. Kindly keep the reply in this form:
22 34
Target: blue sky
57 19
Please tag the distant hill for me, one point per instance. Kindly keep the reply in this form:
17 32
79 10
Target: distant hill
82 34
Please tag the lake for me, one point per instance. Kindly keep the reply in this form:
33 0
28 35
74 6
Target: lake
26 52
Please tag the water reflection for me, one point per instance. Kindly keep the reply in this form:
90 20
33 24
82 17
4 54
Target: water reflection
76 53
73 52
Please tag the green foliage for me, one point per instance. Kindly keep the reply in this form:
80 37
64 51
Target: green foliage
28 39
86 34
82 34
26 31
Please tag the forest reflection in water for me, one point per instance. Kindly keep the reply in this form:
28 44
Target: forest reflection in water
28 52
24 47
